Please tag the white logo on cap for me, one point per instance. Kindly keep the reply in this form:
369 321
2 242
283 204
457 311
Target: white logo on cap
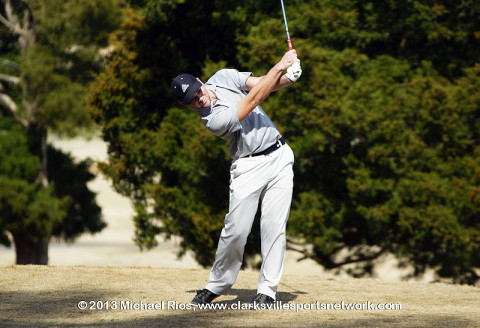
185 87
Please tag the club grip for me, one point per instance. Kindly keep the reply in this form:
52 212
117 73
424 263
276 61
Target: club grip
289 42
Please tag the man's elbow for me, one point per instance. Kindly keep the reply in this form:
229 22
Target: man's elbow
246 108
252 81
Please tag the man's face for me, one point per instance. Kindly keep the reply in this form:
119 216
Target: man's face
201 98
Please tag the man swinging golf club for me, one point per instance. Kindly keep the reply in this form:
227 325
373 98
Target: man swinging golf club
261 171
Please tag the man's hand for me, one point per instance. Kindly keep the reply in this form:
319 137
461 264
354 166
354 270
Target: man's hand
294 72
288 59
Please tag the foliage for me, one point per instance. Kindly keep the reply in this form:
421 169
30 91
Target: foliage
389 160
49 53
59 69
143 157
384 125
83 215
25 206
440 31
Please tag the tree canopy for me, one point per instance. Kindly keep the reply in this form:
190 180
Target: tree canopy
49 53
383 122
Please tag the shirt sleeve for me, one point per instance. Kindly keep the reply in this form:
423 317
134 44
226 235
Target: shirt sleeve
242 80
224 119
232 79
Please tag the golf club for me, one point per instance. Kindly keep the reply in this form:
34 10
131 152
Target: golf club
289 42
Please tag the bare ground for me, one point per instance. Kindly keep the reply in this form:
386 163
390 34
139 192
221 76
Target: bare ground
48 296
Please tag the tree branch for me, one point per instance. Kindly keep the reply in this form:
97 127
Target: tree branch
9 11
12 20
26 20
5 22
327 262
302 249
10 107
9 78
359 258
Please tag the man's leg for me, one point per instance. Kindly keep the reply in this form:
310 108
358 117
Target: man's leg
247 182
229 255
276 201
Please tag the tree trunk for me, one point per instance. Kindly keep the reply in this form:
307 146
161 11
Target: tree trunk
38 146
30 252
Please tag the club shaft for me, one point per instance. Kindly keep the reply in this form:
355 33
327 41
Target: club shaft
289 42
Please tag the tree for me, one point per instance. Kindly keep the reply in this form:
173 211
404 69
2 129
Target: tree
150 142
384 126
29 211
49 53
386 164
440 31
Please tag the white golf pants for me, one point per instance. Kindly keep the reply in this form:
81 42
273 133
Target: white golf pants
268 179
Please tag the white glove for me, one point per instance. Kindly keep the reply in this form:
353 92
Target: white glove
294 72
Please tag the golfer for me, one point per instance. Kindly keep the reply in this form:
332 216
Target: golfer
261 171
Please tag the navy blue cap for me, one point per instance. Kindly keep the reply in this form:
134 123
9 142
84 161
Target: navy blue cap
184 87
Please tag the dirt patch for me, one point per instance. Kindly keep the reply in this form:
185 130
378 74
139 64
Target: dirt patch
49 296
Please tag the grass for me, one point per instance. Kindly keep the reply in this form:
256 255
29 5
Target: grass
48 296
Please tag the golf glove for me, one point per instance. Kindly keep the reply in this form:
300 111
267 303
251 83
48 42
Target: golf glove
294 72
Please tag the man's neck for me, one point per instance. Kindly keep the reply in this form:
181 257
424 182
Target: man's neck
212 95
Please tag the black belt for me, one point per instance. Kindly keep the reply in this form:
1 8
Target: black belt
280 142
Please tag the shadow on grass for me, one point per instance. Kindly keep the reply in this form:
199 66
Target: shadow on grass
246 295
33 308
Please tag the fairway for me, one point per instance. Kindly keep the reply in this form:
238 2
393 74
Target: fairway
48 296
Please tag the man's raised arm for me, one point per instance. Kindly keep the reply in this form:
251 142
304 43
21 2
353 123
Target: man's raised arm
261 87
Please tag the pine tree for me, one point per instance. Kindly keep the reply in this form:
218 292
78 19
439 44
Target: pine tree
383 122
49 51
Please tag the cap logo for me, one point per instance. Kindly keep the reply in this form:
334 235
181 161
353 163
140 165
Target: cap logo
185 87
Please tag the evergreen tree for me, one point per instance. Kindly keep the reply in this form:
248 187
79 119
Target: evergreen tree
49 53
384 125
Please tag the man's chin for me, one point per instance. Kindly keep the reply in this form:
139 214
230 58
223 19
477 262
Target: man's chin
201 107
206 105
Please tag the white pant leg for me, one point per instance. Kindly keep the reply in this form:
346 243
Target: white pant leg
276 200
248 178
